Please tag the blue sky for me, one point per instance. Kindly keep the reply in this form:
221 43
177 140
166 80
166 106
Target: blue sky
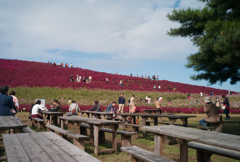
108 36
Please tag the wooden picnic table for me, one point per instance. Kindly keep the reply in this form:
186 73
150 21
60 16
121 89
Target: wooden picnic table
188 134
10 122
42 146
52 114
96 125
101 115
155 111
172 118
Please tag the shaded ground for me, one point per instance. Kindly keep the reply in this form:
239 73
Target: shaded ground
170 151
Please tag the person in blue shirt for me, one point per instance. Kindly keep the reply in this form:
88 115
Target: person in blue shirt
111 106
6 102
121 102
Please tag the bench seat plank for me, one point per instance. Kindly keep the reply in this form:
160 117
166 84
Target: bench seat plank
73 151
28 130
144 155
215 150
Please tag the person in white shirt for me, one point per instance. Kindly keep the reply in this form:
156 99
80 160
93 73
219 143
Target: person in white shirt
73 109
159 87
160 98
35 109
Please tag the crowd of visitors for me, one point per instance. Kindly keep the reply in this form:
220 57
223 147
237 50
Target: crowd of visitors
59 64
79 78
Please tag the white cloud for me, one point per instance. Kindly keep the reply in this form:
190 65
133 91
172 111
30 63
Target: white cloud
122 29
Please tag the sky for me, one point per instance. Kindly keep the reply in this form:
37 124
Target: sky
104 35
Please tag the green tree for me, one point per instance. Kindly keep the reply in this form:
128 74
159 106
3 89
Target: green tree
215 30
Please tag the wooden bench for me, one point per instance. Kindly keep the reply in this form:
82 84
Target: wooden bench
3 158
38 122
28 130
138 154
204 152
193 126
78 139
125 136
134 128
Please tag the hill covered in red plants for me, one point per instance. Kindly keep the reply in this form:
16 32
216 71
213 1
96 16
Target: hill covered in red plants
16 73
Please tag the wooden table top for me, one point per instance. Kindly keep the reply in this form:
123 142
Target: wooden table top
9 122
152 109
208 137
93 112
90 120
42 146
52 113
159 115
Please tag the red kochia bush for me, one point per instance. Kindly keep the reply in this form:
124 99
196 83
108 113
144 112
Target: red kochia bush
16 73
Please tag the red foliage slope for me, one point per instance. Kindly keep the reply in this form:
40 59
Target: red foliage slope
16 73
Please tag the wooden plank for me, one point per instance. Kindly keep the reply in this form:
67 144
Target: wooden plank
10 121
56 153
183 150
28 130
32 148
208 137
14 149
3 123
90 120
215 150
73 151
144 155
114 136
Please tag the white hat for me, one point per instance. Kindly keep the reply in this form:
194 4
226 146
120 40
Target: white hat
208 99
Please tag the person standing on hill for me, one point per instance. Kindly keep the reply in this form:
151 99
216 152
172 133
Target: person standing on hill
132 103
66 65
71 65
73 109
106 80
157 104
121 102
212 112
226 104
121 83
6 102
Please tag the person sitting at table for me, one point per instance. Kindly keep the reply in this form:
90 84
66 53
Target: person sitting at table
110 108
96 108
73 109
55 108
36 110
6 102
212 112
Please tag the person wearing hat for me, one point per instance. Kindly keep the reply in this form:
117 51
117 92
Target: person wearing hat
212 112
227 106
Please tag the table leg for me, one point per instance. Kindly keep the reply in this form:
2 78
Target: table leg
160 111
70 124
114 143
172 121
155 121
134 119
91 133
96 138
62 123
76 124
102 117
144 124
44 117
158 148
80 113
50 120
183 150
123 126
185 122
